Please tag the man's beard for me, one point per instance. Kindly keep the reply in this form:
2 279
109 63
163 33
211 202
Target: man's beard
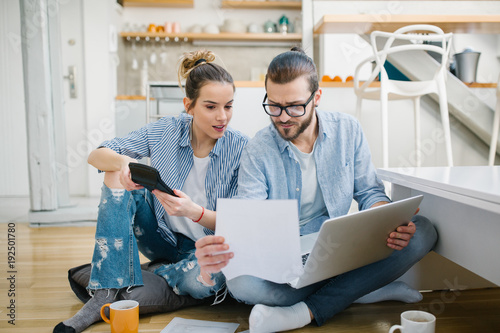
286 135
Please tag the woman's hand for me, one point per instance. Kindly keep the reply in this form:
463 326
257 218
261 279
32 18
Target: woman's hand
208 253
182 205
125 178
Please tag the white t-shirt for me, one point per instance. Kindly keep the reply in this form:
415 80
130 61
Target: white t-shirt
194 187
312 203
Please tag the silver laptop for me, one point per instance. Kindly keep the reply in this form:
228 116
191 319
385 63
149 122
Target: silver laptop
352 241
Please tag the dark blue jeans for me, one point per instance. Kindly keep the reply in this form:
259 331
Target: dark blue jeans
327 298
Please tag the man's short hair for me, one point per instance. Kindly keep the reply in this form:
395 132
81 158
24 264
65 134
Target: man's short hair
290 65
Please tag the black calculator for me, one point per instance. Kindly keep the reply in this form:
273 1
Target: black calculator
148 177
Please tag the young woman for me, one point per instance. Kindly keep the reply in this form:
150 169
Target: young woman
195 152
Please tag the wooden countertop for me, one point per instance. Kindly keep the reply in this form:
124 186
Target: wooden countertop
366 23
322 84
326 84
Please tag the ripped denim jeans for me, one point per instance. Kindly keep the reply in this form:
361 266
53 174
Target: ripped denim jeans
126 224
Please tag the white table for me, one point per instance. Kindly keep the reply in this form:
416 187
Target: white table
464 205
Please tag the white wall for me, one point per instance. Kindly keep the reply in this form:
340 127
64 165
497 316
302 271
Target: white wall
204 12
467 148
249 116
100 77
385 8
13 148
100 89
342 52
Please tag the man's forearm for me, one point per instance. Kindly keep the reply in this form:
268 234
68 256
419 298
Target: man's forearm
380 203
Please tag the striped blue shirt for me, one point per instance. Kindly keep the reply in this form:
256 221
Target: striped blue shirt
166 142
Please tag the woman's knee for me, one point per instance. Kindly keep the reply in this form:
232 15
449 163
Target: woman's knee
112 180
184 279
195 286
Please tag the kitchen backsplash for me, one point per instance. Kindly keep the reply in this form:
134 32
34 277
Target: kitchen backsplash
243 62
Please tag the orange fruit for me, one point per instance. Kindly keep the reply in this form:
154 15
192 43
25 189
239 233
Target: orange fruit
152 28
337 79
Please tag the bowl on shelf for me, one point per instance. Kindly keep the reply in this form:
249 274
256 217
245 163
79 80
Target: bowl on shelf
196 28
255 28
211 28
233 26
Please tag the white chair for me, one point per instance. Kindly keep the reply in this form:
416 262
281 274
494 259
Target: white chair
496 128
407 40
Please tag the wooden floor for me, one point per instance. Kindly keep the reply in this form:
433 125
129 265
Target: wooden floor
43 296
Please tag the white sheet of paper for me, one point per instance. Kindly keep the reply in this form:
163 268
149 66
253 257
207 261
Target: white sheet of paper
264 237
181 325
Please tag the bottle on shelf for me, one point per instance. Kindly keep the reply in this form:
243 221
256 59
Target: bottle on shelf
283 25
144 77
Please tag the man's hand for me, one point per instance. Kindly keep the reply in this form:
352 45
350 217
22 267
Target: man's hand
208 254
400 238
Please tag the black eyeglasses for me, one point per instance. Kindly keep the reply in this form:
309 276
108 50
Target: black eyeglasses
275 110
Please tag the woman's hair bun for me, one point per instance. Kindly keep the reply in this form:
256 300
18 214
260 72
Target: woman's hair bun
197 68
189 60
297 49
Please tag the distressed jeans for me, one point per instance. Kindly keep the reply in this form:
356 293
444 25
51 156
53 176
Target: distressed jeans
126 224
329 297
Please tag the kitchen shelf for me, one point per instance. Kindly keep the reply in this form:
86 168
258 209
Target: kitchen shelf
481 85
262 4
159 3
132 98
350 84
366 23
322 84
329 84
223 36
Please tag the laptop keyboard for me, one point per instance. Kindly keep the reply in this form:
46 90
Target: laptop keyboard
304 258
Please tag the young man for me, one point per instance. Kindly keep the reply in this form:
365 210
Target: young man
321 159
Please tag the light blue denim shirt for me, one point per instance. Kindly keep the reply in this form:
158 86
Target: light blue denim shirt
269 168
